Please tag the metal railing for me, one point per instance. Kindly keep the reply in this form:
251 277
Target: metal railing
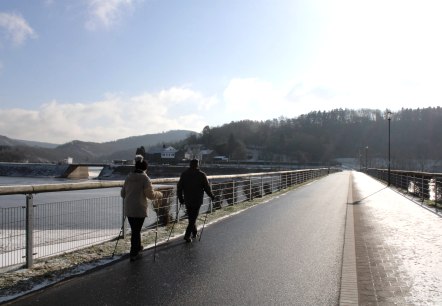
31 231
424 187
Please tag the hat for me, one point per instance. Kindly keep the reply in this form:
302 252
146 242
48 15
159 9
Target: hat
140 163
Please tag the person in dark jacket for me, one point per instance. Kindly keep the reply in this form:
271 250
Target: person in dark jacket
190 190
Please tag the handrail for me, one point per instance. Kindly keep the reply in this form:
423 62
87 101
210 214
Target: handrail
406 171
424 187
40 188
33 189
227 188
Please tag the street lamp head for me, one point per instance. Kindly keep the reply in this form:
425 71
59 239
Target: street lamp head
389 115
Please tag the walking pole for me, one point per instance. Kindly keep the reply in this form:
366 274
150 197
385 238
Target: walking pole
176 221
118 238
156 236
205 219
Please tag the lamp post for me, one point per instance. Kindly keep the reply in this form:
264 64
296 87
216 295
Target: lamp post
366 159
389 160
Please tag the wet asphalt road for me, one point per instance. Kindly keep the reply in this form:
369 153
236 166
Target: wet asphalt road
285 252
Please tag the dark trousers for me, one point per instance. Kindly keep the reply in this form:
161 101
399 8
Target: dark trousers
135 239
192 213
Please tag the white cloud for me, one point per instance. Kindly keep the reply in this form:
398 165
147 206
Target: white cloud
381 54
15 28
112 118
106 13
117 116
256 99
252 97
179 94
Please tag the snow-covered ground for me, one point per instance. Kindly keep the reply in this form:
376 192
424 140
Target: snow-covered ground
414 233
17 255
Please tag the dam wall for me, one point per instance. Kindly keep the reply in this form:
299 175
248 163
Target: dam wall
163 171
111 172
43 170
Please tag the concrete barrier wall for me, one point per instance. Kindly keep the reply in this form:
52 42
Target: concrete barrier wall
32 170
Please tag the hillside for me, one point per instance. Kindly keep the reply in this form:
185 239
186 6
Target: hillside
7 142
321 137
12 150
316 137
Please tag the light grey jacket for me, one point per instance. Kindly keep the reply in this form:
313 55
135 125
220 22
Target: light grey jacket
136 189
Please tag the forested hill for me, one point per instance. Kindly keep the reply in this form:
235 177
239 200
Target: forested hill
26 151
322 136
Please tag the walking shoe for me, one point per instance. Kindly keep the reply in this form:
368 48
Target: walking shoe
135 257
188 239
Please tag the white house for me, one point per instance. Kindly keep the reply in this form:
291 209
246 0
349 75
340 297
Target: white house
168 153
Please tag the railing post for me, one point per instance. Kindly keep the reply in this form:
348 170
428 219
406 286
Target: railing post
423 190
280 181
29 230
123 219
233 192
177 208
250 187
414 182
262 186
286 180
395 179
210 201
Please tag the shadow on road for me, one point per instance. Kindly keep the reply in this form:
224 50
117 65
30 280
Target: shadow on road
360 200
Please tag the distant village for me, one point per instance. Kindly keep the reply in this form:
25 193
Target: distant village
168 155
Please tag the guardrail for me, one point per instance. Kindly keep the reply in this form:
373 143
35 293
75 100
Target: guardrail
425 187
31 231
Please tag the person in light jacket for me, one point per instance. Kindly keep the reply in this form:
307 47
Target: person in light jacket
190 189
136 190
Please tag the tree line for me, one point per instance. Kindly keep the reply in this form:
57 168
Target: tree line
316 137
322 136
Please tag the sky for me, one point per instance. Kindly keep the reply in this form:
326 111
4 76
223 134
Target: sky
101 70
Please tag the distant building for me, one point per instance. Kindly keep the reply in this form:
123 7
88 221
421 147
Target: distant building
168 153
220 158
254 153
123 162
199 152
162 154
67 161
193 151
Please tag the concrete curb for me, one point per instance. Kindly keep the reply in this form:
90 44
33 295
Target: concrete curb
349 281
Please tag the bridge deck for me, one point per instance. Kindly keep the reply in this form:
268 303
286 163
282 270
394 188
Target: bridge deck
286 252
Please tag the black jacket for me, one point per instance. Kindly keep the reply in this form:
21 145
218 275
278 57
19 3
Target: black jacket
191 186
